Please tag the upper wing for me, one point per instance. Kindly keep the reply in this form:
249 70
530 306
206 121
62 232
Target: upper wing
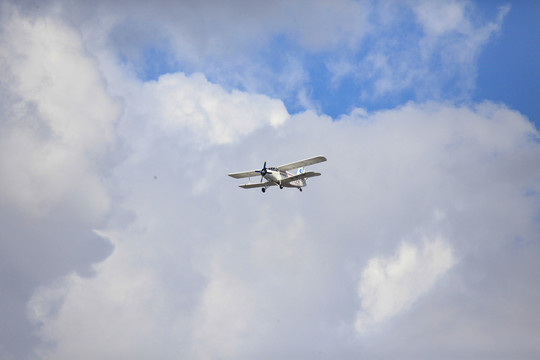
306 162
257 185
245 174
294 165
300 176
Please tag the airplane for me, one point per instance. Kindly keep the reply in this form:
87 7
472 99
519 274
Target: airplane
278 176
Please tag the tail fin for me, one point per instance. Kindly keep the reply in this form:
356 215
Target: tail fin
301 171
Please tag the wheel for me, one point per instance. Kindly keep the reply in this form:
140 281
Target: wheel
281 186
263 189
300 189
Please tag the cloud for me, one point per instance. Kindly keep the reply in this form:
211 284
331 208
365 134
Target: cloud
438 19
198 268
52 129
390 285
211 114
454 37
104 317
56 133
225 272
225 318
434 49
285 50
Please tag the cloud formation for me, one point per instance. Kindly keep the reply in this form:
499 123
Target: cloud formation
389 285
53 128
125 238
56 135
424 47
381 51
220 272
211 114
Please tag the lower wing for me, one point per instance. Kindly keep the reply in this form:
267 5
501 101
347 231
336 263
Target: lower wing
257 185
245 174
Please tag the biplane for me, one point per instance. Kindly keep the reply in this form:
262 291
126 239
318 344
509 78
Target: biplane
279 175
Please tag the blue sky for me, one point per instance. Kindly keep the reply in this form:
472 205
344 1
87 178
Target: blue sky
504 70
508 69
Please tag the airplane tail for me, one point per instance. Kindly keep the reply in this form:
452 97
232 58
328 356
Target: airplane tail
301 171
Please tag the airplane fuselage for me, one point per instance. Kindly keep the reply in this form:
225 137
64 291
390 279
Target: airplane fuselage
276 176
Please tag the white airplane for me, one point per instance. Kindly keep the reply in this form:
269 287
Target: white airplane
279 175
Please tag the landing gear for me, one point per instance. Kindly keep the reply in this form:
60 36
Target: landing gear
300 189
263 189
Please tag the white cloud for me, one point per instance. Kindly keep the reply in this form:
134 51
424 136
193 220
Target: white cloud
454 36
225 318
444 52
328 25
235 273
438 18
390 285
105 316
267 47
57 142
59 121
203 269
212 114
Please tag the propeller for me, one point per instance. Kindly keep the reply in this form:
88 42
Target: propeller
263 171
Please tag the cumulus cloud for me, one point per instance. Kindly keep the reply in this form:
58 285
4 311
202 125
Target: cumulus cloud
56 130
389 285
211 114
52 129
203 269
225 319
238 274
106 316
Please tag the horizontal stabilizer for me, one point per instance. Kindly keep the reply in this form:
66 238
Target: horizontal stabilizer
305 175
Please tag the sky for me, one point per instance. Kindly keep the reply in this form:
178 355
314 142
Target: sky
123 237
